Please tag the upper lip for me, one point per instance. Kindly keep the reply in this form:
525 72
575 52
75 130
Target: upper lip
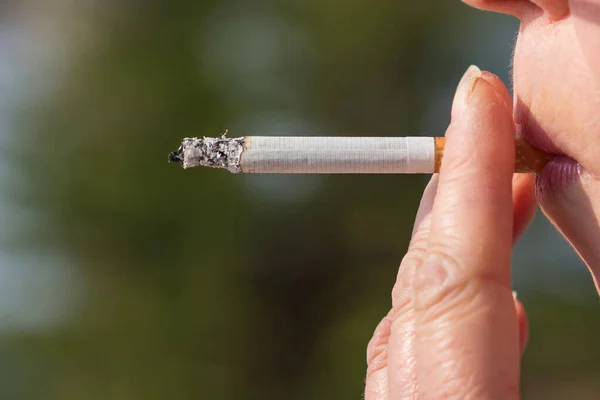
536 138
531 131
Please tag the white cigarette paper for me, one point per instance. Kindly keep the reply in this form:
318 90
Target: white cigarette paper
310 154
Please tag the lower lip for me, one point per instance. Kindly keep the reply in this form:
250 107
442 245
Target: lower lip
556 176
559 173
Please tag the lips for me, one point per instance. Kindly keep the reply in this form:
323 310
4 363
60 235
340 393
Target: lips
559 173
533 135
556 177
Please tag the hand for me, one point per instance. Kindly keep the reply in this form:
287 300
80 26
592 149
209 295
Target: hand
455 330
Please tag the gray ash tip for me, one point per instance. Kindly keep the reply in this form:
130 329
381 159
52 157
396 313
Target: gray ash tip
176 156
210 152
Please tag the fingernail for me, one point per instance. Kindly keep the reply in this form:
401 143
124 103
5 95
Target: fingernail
465 89
515 295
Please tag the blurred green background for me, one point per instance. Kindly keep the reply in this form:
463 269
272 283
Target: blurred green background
124 277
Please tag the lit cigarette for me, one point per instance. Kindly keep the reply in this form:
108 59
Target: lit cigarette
330 155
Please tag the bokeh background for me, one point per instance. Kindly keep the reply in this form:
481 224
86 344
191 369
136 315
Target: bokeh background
124 277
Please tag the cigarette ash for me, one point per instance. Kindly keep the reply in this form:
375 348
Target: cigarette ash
219 152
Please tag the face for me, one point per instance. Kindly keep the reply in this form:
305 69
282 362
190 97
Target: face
557 88
557 108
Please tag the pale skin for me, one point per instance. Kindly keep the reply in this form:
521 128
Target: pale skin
455 330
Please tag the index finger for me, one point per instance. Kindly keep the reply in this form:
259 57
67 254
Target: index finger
466 326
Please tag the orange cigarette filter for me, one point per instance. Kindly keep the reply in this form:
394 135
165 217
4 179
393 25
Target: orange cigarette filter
528 159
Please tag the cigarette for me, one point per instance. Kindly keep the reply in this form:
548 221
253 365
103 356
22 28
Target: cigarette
331 155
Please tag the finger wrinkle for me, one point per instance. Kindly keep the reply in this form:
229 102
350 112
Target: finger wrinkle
458 309
445 282
460 388
419 239
402 288
404 280
458 352
377 348
422 226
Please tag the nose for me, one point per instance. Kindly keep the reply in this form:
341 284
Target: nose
555 9
512 7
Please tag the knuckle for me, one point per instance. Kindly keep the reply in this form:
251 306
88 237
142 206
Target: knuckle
422 227
377 348
445 251
377 361
420 237
447 283
417 250
401 291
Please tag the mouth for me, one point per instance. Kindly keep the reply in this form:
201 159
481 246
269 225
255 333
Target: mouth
560 172
536 137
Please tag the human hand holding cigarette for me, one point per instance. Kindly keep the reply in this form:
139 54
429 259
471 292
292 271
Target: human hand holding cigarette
455 326
455 330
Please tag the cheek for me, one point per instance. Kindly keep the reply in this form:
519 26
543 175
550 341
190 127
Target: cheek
545 79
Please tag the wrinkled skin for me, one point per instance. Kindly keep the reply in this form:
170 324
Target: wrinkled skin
455 330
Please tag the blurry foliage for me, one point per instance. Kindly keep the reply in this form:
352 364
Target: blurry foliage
199 285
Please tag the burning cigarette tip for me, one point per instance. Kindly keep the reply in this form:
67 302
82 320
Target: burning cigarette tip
211 152
176 156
